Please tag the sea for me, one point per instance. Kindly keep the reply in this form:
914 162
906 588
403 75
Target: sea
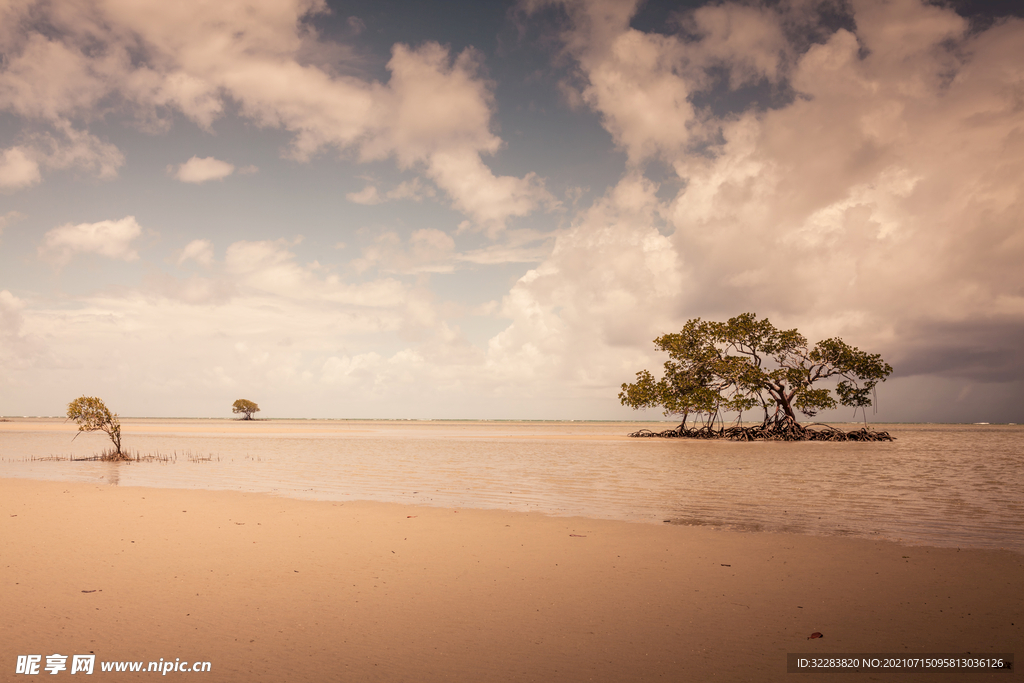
936 484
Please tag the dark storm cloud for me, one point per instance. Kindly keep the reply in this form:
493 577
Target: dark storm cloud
978 350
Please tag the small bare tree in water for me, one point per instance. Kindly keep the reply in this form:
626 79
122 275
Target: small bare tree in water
93 416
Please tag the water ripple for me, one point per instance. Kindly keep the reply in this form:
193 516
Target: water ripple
947 485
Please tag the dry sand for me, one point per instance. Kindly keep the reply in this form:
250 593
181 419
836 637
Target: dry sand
272 589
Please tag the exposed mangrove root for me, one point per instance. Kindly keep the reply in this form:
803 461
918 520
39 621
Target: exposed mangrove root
128 455
778 430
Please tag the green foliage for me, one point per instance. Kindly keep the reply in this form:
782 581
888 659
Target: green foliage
245 407
93 416
746 363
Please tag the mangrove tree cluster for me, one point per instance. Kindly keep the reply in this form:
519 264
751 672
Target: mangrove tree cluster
745 365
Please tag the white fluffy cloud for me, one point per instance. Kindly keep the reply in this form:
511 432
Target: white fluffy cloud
870 190
367 196
567 314
260 317
200 251
437 112
201 169
112 239
271 268
433 115
642 84
18 169
881 202
64 148
888 186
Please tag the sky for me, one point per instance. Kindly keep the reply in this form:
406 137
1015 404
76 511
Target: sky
489 210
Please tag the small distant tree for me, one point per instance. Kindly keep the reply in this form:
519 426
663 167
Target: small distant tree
246 408
93 416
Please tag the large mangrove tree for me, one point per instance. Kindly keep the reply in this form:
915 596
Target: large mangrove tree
745 365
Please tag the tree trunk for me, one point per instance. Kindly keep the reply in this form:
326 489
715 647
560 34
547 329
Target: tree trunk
788 409
782 402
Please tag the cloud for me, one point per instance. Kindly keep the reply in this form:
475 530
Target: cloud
200 251
427 251
414 189
490 200
861 181
643 85
437 113
573 319
153 59
258 318
886 190
975 349
515 246
748 42
64 148
367 196
270 268
347 370
112 239
356 25
633 81
199 170
18 169
45 78
79 149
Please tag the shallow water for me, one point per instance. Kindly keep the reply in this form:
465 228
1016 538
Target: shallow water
946 485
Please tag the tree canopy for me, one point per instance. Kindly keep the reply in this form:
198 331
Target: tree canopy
247 408
745 364
92 415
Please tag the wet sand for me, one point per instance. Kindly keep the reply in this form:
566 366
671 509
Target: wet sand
274 589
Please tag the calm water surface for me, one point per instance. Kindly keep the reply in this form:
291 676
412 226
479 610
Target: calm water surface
947 485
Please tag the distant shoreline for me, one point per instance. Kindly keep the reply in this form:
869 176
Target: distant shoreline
9 418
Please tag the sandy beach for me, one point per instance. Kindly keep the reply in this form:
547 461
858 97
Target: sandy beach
275 589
